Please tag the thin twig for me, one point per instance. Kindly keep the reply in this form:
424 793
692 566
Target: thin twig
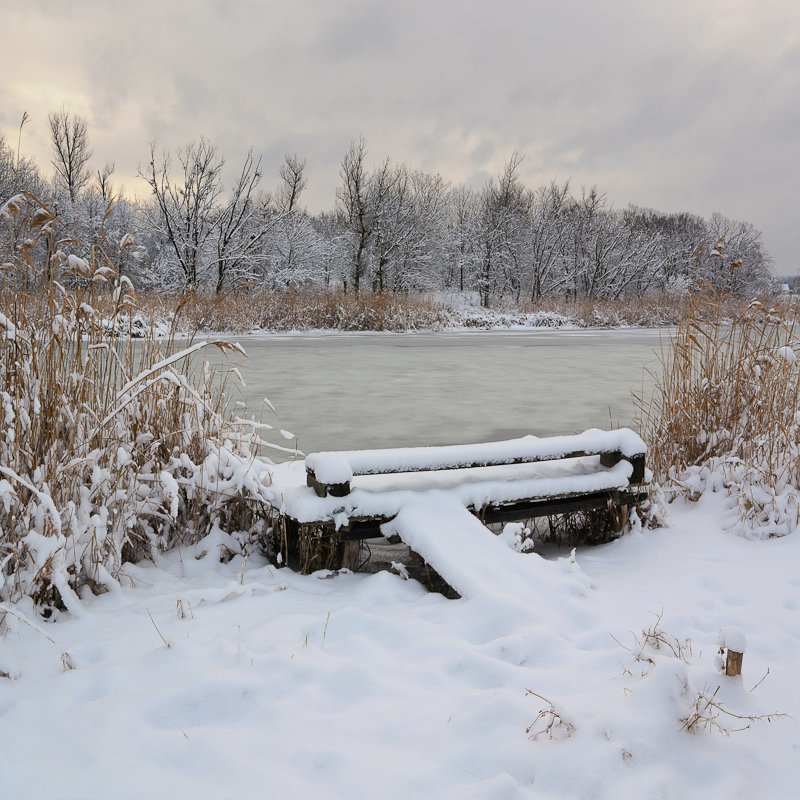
156 627
761 681
325 632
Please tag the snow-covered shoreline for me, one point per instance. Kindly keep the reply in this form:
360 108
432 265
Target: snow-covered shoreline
440 313
204 680
494 323
260 333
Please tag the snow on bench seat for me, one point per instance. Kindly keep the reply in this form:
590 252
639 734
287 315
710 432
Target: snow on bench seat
331 500
525 448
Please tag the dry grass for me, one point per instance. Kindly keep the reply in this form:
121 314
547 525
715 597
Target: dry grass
656 311
709 713
253 309
703 709
112 448
725 413
548 722
240 311
652 641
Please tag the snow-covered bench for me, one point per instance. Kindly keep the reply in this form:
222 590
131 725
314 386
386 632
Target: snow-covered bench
350 496
331 473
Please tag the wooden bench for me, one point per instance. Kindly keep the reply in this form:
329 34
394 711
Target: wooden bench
343 512
349 495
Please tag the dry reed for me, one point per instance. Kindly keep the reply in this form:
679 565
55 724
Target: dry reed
113 447
651 311
725 413
240 311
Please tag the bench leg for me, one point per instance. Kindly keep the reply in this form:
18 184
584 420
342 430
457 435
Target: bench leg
619 516
284 538
350 556
420 570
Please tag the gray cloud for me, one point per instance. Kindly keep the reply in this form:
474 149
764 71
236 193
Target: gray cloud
683 105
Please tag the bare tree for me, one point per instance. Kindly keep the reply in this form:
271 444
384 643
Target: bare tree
742 265
297 254
70 141
292 175
424 247
389 194
353 196
548 232
103 180
501 230
460 240
17 173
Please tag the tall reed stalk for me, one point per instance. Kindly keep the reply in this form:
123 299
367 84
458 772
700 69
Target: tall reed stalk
725 413
112 447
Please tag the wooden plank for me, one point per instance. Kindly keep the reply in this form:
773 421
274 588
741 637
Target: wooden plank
546 507
370 527
350 555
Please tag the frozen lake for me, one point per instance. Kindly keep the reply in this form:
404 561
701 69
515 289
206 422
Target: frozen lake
388 390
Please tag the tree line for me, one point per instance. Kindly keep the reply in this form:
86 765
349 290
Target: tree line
392 228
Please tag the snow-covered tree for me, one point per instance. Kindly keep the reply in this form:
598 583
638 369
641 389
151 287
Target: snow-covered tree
183 208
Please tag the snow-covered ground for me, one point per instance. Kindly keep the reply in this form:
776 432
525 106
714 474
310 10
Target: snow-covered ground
205 680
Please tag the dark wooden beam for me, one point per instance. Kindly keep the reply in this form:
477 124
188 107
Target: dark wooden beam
326 489
370 527
607 459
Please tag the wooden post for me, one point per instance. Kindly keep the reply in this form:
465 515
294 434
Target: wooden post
619 516
733 663
351 554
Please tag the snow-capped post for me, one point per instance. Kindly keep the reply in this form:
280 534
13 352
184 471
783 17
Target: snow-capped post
328 474
732 640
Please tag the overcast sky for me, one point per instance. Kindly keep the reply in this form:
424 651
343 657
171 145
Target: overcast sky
684 105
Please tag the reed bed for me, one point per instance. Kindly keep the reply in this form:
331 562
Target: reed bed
112 448
305 310
725 412
300 310
654 311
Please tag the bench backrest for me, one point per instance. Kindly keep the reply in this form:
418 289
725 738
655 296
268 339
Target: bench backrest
330 473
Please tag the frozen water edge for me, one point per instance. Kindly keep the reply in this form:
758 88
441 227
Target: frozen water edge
317 333
365 685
